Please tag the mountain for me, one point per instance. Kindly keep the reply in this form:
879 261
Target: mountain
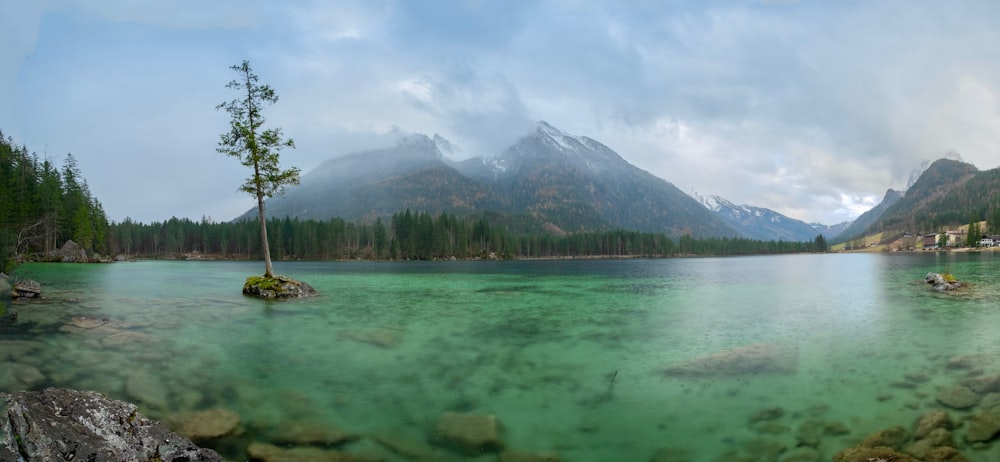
413 174
858 227
830 232
758 222
946 193
551 179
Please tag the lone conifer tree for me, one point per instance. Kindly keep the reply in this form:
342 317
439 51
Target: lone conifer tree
256 147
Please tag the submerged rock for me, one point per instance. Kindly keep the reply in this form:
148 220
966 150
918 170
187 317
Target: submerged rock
517 456
146 389
471 434
957 397
936 438
277 287
13 350
864 454
311 433
983 426
206 425
265 452
385 338
893 438
62 424
938 418
17 376
767 357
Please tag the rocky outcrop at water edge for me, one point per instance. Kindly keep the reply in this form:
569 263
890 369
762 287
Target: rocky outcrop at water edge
71 252
63 424
26 288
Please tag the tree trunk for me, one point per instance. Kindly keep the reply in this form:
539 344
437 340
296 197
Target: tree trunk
263 237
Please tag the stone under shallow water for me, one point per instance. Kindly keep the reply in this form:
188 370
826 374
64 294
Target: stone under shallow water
857 322
765 357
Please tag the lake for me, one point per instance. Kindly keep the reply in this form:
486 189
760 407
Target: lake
568 355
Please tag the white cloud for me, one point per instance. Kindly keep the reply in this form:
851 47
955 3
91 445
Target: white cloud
811 109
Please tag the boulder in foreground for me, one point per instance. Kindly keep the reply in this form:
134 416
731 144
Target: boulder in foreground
277 287
63 424
757 358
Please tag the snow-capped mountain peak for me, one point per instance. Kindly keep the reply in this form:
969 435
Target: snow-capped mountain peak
758 222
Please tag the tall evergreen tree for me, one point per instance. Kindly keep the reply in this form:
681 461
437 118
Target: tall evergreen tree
973 234
256 147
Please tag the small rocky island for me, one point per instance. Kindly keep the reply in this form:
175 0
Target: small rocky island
277 287
944 282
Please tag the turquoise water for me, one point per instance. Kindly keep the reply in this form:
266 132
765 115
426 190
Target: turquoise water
569 355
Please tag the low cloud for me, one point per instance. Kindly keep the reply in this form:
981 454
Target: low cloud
808 108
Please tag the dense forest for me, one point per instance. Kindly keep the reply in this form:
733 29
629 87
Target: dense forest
42 206
413 236
948 194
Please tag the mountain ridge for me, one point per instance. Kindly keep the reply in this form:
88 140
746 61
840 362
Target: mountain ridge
560 180
761 223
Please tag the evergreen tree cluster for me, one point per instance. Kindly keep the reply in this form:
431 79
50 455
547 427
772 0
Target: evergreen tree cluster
413 236
42 206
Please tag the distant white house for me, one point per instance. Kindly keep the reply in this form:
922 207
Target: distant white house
989 241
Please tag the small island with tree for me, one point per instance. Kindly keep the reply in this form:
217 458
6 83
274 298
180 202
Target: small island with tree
259 149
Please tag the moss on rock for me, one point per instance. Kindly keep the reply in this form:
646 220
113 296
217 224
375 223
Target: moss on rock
276 287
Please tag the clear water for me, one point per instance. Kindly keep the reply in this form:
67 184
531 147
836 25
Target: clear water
388 347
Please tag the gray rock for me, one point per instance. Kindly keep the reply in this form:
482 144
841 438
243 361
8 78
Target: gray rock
62 424
26 288
767 357
942 283
70 252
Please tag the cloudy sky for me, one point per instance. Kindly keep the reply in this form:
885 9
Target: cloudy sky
813 109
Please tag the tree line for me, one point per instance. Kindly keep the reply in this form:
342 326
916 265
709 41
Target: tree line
42 206
413 236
